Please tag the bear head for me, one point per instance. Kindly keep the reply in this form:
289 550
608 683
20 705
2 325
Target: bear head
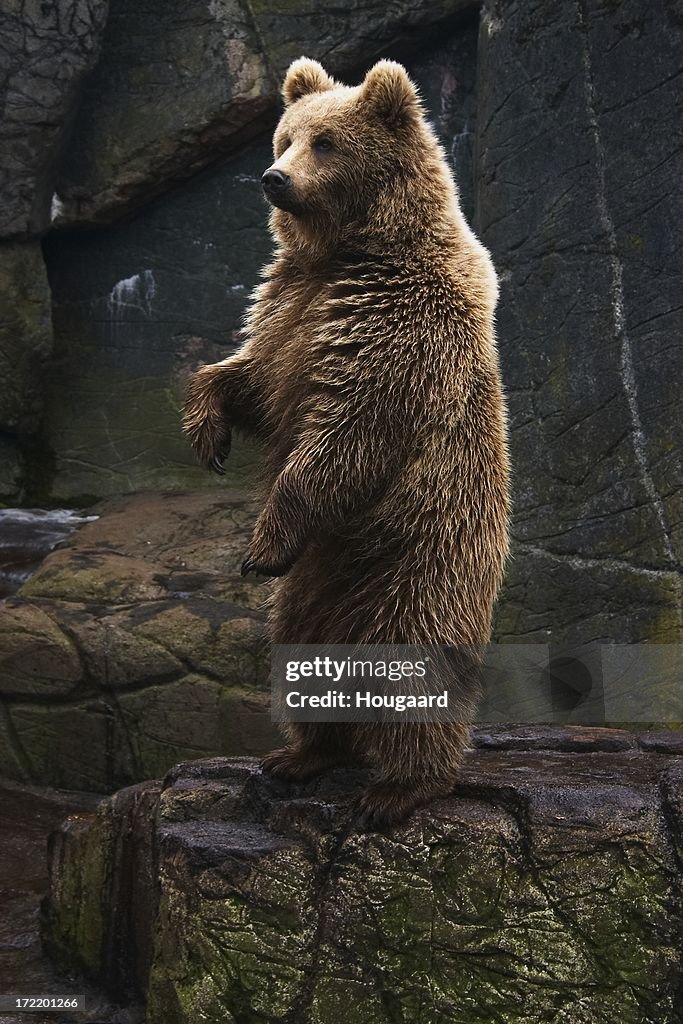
355 164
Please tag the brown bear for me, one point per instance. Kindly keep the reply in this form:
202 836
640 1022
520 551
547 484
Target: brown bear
370 371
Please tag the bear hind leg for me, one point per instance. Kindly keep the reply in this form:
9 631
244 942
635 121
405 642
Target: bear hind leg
415 763
314 748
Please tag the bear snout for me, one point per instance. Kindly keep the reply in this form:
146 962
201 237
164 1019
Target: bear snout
274 182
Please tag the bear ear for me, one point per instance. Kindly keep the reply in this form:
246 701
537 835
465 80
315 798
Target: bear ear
305 76
390 93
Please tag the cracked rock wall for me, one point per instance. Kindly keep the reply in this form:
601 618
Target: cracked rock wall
46 51
577 199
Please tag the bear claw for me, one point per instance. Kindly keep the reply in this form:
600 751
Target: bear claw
216 464
250 565
383 807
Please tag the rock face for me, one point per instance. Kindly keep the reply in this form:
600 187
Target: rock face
27 817
48 49
25 348
25 336
179 83
135 645
576 193
547 888
176 83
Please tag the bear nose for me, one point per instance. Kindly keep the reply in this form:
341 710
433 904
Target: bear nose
275 181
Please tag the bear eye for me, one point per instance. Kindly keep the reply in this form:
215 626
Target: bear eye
284 144
322 144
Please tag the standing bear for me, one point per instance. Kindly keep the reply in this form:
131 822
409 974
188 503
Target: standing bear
370 371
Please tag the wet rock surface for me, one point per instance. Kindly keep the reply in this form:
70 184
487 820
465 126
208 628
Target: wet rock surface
134 645
27 536
547 888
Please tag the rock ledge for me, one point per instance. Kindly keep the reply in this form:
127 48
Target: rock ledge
547 888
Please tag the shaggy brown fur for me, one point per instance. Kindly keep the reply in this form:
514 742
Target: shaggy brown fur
370 370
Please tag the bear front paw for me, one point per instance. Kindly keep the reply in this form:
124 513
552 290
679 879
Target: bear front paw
204 420
211 445
271 552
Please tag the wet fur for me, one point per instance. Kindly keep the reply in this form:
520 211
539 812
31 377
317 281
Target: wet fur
370 371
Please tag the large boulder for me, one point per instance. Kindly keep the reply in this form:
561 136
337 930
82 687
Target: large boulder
48 49
578 198
134 645
547 888
180 83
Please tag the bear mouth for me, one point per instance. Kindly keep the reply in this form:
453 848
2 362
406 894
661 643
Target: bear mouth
284 202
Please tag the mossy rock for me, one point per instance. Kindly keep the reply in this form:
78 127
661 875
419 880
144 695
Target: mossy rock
134 645
545 889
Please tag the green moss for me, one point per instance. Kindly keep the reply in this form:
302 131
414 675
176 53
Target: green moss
76 925
343 999
212 947
665 626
